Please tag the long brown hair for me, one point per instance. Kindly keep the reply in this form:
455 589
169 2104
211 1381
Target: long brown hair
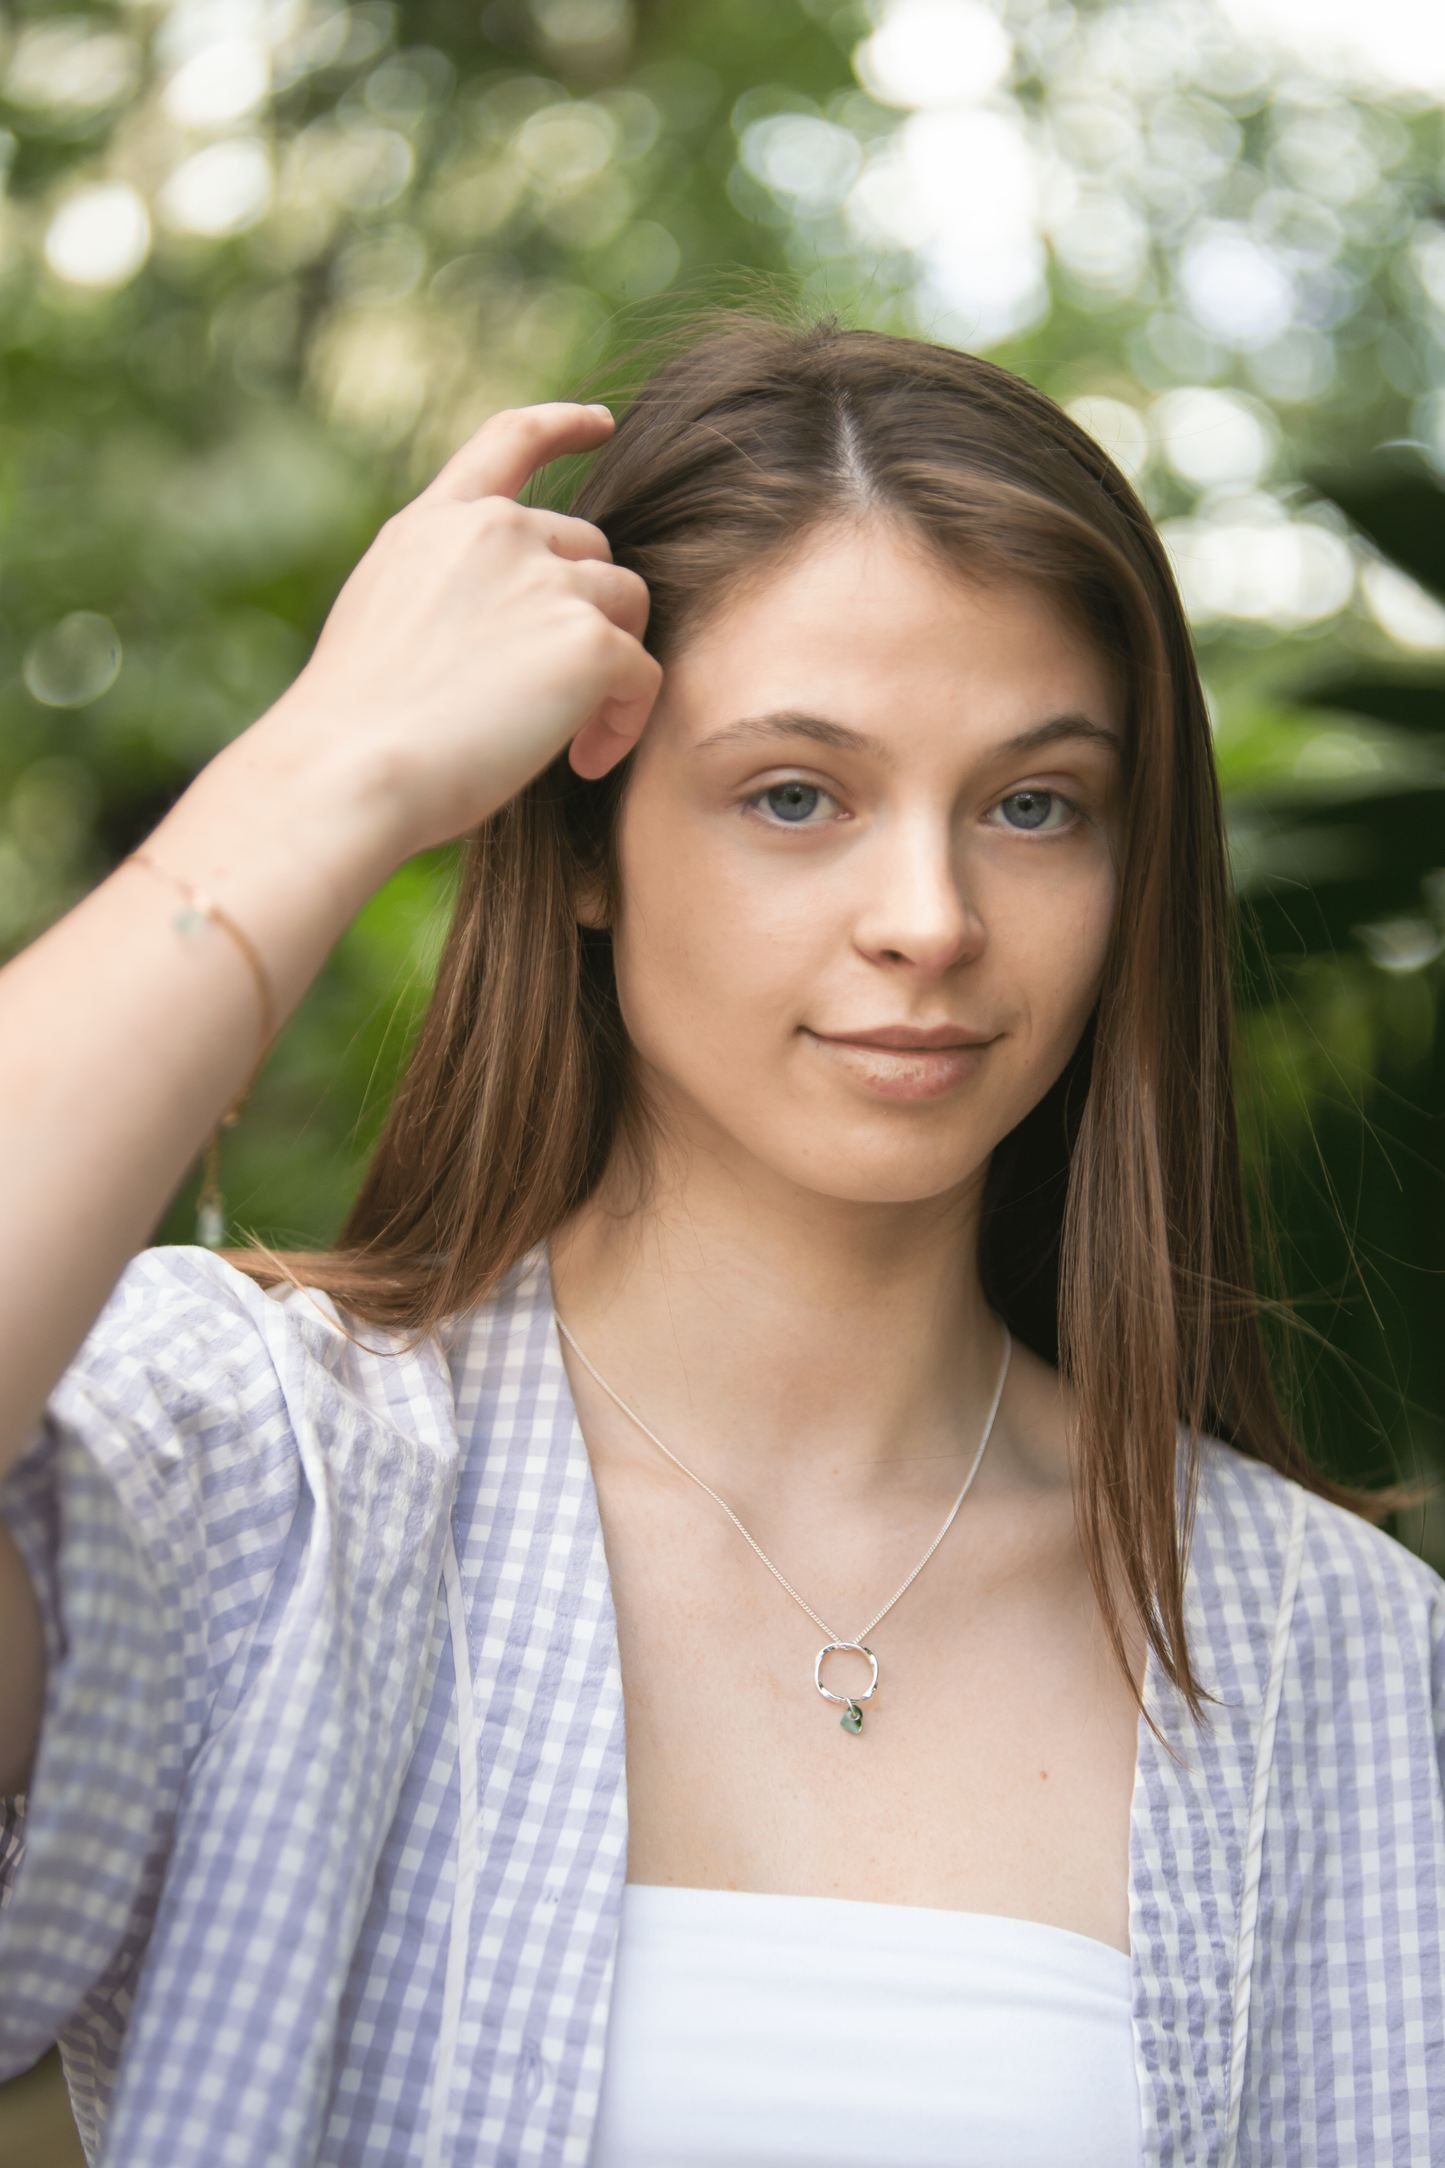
1114 1237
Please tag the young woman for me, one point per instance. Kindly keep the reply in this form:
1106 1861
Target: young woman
825 1698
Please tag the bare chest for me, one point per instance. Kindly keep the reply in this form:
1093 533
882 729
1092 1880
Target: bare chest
995 1765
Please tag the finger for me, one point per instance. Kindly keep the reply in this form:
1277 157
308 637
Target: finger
610 733
509 448
571 538
602 742
619 594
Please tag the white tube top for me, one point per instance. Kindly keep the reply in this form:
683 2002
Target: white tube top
812 2032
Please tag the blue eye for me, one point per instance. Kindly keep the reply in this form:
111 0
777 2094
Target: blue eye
792 802
1033 809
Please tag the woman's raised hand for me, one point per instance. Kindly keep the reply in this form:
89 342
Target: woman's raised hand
473 641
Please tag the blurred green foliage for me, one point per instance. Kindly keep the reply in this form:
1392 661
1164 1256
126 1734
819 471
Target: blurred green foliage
262 262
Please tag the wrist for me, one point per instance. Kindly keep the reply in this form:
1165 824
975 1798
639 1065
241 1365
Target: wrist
289 839
321 800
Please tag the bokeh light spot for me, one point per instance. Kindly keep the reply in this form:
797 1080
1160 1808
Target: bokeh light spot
1214 439
1121 429
935 52
220 84
100 238
222 190
75 662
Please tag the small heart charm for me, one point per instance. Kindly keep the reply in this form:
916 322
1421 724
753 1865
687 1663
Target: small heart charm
852 1718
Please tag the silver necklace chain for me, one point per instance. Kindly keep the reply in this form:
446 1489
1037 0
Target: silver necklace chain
781 1578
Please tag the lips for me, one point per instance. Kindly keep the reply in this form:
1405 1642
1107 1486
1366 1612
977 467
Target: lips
909 1038
904 1061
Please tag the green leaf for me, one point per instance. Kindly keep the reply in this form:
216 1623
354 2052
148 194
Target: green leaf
1398 501
1410 703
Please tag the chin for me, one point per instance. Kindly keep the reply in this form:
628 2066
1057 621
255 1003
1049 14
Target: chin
896 1188
870 1170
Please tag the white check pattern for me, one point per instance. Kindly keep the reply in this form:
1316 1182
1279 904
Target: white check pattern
242 1875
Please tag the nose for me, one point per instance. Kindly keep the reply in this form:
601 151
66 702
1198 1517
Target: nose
915 912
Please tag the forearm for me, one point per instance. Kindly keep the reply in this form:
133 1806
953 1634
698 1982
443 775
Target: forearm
129 1027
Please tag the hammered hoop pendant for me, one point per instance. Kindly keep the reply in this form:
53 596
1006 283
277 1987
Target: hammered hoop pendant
852 1717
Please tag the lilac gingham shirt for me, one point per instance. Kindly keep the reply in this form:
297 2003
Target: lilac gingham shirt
325 1847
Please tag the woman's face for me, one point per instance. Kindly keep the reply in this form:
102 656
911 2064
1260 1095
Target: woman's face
867 872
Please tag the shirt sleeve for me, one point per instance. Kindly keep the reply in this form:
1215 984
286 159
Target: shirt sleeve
154 1512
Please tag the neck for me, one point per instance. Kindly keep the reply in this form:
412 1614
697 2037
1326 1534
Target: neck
771 1331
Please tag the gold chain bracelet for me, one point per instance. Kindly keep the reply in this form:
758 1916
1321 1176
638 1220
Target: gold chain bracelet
202 909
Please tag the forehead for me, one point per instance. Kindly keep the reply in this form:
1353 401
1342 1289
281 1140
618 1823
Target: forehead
866 624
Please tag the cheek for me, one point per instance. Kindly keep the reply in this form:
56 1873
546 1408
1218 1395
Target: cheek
696 970
1066 958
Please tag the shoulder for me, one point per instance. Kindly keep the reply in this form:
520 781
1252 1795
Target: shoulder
197 1393
185 1355
1353 1589
187 1325
181 1313
208 1432
1243 1501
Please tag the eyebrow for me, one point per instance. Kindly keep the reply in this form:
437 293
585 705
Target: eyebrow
790 723
1060 728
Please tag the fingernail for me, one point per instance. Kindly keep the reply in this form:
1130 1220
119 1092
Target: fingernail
597 408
